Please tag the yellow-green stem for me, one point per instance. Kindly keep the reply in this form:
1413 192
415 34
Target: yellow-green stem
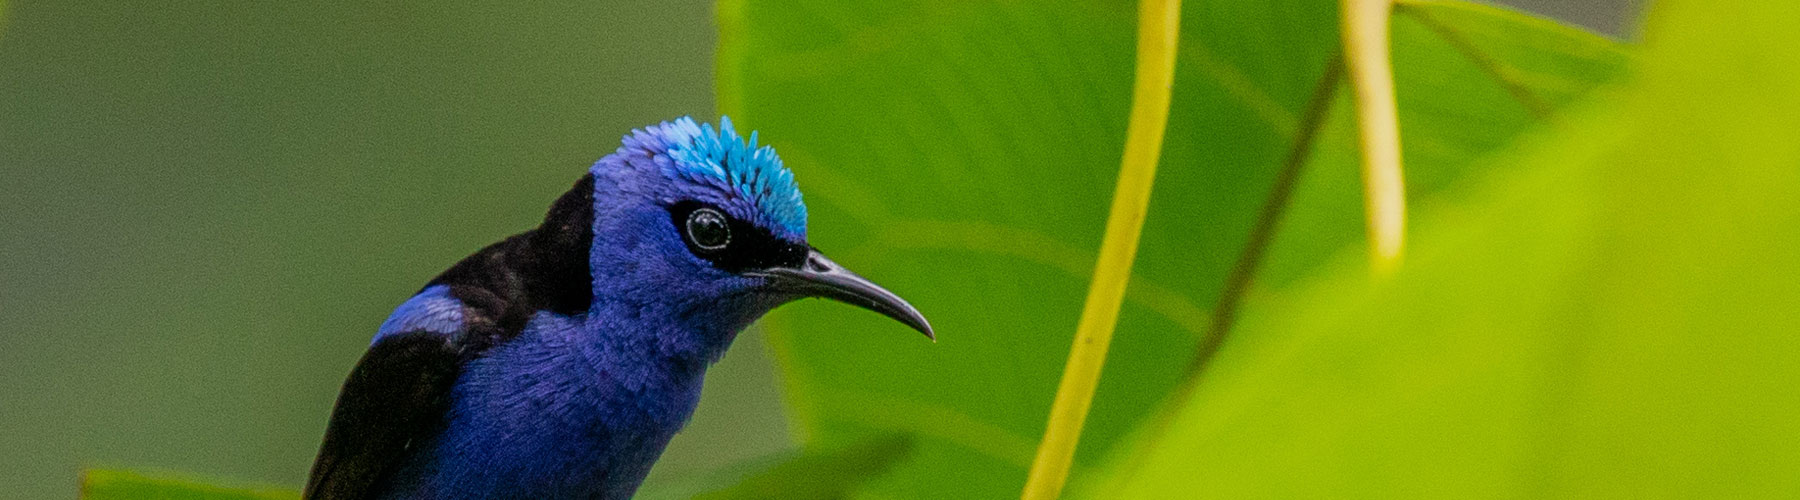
1365 32
1159 23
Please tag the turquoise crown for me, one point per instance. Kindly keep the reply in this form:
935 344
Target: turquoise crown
702 153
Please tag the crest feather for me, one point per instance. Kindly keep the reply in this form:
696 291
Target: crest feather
702 153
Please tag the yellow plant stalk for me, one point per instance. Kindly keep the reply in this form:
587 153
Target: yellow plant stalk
1365 32
1159 24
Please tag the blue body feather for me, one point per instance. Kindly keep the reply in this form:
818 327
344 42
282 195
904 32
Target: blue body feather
575 407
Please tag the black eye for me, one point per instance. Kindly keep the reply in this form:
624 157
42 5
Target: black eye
731 244
708 230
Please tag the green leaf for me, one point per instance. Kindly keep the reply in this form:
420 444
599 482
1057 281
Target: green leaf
107 484
962 153
818 473
1609 310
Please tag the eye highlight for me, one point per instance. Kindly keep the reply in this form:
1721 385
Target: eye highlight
708 230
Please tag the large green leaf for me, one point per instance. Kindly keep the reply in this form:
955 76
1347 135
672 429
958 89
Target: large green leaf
962 153
1609 311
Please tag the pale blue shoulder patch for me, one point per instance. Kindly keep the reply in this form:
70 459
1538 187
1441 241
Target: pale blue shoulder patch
432 310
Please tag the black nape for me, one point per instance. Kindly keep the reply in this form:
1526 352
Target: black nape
546 268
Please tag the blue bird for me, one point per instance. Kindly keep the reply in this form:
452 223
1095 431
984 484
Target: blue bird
558 363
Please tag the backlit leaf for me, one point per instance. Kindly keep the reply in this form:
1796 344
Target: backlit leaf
1608 310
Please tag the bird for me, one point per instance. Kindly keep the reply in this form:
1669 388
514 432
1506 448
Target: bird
559 362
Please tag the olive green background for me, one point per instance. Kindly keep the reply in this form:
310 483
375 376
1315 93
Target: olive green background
206 207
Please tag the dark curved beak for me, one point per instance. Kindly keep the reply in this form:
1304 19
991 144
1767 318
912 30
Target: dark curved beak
820 277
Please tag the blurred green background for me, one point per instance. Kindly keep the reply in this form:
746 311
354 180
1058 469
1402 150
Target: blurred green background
206 207
209 206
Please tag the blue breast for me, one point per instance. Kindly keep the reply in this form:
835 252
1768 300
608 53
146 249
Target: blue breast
553 414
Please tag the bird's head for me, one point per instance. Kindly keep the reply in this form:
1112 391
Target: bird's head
702 223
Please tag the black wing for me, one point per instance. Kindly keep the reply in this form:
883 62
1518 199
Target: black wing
395 398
